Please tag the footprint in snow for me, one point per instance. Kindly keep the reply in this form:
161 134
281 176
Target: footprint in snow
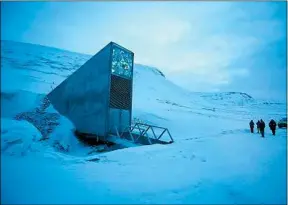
93 160
175 192
192 157
197 185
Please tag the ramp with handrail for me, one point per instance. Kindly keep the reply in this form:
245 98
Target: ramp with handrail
139 134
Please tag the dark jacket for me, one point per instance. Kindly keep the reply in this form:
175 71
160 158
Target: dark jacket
258 124
251 123
272 125
262 125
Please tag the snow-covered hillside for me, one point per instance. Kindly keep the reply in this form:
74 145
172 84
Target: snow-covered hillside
210 130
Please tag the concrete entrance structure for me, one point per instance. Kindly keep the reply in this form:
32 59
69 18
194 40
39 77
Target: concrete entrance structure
98 96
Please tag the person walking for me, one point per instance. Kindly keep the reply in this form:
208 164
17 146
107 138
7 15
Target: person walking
251 124
272 125
262 127
258 126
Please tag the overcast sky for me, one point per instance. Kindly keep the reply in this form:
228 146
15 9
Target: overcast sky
202 46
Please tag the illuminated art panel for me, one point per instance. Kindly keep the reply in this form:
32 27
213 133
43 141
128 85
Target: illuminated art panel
122 62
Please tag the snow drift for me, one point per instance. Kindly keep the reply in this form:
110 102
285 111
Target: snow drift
18 137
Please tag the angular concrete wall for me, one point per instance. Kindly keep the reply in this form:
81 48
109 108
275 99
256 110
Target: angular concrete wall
98 96
84 96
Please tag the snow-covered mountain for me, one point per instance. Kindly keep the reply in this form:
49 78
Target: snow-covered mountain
210 130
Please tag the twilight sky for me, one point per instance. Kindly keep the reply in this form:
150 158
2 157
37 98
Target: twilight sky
202 46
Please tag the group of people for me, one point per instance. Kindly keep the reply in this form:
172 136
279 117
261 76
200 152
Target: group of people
261 126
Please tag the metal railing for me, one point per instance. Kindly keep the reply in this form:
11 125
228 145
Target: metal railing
143 132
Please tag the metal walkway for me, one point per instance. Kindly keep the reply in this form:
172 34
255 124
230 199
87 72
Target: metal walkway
145 134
